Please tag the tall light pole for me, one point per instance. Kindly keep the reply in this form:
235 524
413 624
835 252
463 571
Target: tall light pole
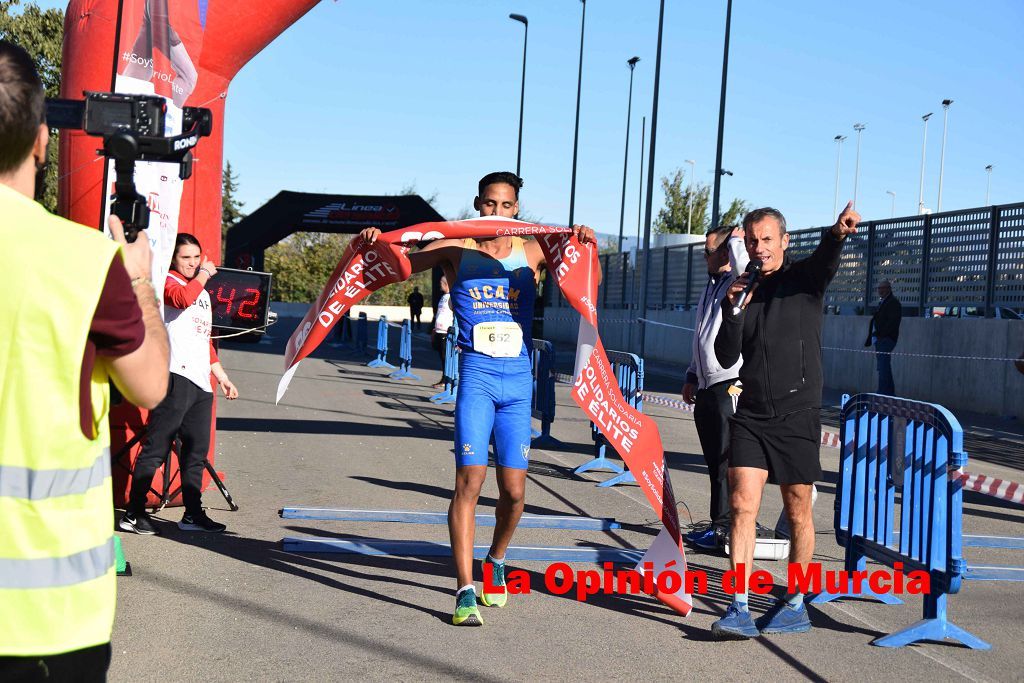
988 185
942 156
893 195
625 164
859 127
924 145
721 120
639 212
689 204
650 179
839 155
640 194
522 91
576 134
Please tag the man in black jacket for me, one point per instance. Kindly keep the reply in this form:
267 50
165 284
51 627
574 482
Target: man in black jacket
776 432
884 332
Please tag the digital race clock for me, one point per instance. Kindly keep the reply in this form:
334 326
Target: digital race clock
240 299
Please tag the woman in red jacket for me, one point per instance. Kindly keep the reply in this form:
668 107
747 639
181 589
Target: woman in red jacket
188 408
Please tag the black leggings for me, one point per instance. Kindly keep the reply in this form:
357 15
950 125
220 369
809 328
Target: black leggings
186 410
711 414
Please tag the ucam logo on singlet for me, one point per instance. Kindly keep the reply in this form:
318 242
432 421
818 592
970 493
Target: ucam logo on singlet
634 436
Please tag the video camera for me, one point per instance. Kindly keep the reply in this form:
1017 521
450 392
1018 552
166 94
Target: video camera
132 128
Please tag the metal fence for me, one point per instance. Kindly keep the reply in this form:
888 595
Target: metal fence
972 257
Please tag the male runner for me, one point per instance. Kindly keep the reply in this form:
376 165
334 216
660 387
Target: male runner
493 287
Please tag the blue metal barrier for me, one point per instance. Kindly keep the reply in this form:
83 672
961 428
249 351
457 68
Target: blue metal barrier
629 372
543 408
404 370
383 546
361 333
381 361
891 444
422 517
450 374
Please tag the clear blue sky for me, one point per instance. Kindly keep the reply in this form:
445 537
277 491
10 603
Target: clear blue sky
367 97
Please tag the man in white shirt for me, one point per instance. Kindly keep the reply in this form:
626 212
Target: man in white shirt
711 388
443 319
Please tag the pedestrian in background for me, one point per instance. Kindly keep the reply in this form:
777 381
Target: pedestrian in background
415 307
884 332
443 319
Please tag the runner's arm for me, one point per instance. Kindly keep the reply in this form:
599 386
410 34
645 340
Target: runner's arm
437 253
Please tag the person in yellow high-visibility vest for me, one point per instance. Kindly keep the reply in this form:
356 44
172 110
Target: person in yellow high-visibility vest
78 310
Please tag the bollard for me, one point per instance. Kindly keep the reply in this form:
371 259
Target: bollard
381 361
361 333
404 370
343 331
543 408
450 374
892 443
629 372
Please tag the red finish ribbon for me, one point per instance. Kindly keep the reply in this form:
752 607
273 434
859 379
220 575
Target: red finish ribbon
365 268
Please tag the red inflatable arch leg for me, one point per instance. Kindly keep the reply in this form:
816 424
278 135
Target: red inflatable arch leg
188 51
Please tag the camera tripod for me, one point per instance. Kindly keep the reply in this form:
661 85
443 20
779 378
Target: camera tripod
166 494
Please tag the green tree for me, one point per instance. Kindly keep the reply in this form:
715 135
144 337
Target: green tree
735 213
673 216
41 33
231 206
302 263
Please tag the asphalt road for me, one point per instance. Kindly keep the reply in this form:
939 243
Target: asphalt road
236 607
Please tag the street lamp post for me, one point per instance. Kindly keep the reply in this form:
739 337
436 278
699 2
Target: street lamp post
942 155
721 120
689 204
893 195
650 179
625 164
640 194
839 154
924 144
633 301
988 184
576 133
859 127
522 91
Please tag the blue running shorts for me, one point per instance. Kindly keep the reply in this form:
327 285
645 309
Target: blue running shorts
495 396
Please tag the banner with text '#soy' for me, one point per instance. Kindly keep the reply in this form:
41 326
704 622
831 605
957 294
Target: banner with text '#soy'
159 42
365 268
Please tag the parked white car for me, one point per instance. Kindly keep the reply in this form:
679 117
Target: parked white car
974 312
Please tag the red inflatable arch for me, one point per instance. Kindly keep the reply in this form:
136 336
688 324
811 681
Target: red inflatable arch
189 51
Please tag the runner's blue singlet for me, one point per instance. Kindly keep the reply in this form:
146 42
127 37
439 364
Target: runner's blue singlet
495 394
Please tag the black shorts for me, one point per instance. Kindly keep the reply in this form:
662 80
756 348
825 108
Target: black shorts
789 447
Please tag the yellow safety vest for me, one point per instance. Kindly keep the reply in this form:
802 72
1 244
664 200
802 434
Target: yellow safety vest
57 578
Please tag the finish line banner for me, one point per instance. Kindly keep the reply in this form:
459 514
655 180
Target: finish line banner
365 268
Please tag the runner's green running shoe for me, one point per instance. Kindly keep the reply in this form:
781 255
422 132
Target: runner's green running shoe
466 612
497 599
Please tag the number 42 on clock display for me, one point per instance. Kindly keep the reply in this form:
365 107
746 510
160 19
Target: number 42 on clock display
240 299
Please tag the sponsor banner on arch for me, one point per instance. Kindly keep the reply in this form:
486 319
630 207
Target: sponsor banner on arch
158 46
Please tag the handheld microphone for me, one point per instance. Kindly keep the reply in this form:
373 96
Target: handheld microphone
754 271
